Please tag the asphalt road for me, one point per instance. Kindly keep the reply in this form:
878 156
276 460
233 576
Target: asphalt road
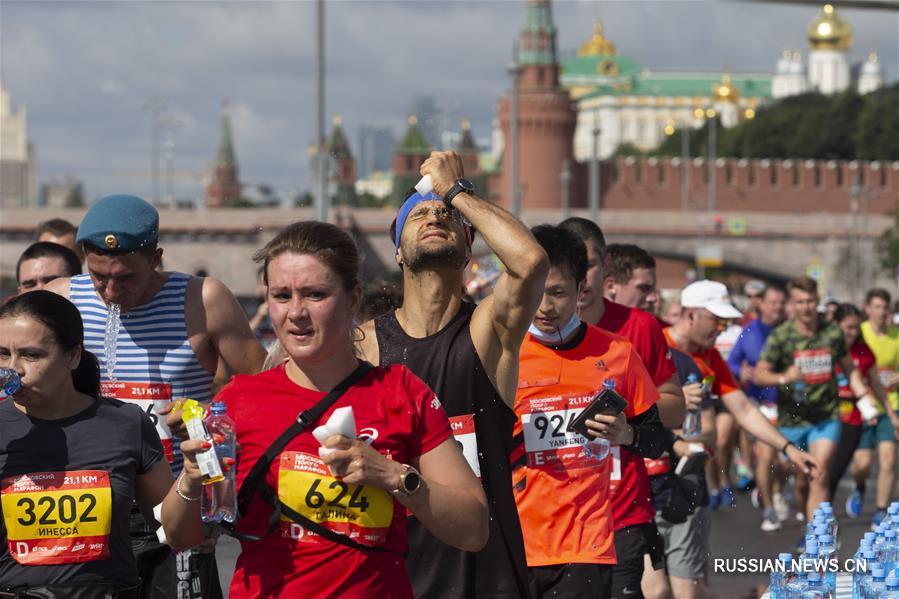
735 534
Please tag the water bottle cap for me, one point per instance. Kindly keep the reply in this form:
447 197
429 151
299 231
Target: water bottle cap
879 572
869 536
814 577
609 383
825 504
870 554
811 546
218 407
892 581
826 539
785 557
828 509
893 509
692 378
866 544
890 534
821 529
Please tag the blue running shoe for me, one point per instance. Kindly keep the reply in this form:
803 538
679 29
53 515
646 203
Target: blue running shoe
879 516
728 500
854 504
714 500
745 483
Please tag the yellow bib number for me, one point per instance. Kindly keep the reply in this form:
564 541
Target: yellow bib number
57 517
305 484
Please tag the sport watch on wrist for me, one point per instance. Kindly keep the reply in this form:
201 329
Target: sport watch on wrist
462 185
410 481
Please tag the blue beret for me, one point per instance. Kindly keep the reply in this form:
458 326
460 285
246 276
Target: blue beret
120 223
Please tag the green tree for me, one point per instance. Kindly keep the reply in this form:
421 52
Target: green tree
888 245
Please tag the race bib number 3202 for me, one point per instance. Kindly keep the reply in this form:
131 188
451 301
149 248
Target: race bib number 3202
57 517
305 484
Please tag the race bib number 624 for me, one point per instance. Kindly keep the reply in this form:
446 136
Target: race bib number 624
57 517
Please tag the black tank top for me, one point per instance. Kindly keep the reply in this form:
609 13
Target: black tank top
449 364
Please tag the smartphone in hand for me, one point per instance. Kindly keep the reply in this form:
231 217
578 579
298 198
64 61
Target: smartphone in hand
607 402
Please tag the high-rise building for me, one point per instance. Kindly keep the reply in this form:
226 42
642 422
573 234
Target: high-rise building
18 169
375 150
224 186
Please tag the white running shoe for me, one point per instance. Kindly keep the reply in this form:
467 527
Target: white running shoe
781 506
770 522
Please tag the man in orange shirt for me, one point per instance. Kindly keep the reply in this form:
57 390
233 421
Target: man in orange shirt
562 480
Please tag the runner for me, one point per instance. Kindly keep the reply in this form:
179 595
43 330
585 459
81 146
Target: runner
562 488
800 356
42 262
469 355
852 428
742 361
165 344
883 339
636 534
403 460
631 277
61 232
71 462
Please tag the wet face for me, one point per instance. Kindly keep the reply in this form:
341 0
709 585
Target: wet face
591 290
851 327
433 237
639 292
310 310
771 308
36 273
560 299
30 348
123 279
704 326
878 312
804 306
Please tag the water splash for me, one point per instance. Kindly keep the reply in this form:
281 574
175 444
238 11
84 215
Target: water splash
111 338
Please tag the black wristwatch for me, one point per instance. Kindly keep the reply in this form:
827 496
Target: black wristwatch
410 481
462 185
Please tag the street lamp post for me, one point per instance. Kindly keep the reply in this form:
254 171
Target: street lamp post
594 171
321 155
670 129
156 107
713 153
514 70
565 177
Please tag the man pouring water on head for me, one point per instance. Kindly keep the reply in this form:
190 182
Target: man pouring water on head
158 337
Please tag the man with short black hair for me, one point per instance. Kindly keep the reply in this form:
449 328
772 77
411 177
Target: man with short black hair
42 262
62 232
631 277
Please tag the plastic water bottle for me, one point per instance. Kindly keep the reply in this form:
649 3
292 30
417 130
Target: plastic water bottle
220 498
797 586
598 448
816 588
9 382
864 581
892 590
876 584
800 394
827 551
860 568
809 558
832 523
889 551
692 419
780 580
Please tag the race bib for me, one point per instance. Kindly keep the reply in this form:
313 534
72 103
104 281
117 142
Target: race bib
464 434
305 484
815 365
769 411
615 476
145 396
57 517
548 442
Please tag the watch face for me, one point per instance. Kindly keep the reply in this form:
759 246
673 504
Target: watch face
411 482
466 184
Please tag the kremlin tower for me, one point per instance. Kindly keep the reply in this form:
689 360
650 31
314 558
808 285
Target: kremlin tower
342 179
407 158
224 188
545 114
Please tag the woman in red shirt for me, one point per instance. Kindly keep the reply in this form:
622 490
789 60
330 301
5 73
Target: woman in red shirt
347 533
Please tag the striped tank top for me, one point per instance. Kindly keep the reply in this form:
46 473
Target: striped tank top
154 359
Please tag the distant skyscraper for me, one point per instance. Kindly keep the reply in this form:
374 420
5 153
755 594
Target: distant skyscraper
430 118
18 171
375 150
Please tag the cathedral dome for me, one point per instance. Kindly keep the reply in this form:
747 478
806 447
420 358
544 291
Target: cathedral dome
829 31
871 66
725 91
598 45
796 65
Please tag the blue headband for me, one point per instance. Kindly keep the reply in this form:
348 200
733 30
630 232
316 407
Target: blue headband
410 203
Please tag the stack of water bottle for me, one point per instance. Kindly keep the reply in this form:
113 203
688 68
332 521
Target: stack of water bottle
874 567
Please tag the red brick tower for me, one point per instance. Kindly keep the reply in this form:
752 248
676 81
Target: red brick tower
224 188
343 171
546 116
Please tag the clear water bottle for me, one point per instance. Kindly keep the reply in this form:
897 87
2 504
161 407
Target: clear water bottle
797 586
800 393
827 551
808 560
9 382
871 564
598 448
815 588
889 551
220 498
877 584
858 566
781 577
692 419
832 524
892 590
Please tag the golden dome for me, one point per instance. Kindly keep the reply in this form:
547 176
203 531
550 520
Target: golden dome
725 91
597 45
829 31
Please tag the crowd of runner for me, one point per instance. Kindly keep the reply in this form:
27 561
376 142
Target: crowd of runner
494 456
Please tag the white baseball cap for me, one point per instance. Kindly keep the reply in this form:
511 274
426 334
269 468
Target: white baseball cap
710 295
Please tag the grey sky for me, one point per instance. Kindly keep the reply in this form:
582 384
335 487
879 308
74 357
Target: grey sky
84 69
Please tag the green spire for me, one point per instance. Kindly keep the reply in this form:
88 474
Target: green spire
226 149
414 141
339 147
538 37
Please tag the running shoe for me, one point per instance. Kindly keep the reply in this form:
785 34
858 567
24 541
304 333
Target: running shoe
755 498
854 504
781 506
745 483
714 500
728 500
770 521
879 516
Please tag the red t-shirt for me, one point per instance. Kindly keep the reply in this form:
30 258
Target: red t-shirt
711 363
631 501
864 360
398 415
562 494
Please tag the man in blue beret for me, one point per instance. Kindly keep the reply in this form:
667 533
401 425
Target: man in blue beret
158 336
